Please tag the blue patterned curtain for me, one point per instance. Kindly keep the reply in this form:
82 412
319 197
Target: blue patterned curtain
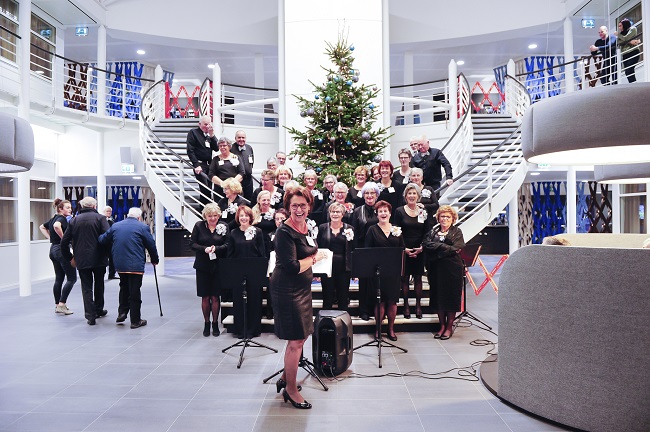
549 210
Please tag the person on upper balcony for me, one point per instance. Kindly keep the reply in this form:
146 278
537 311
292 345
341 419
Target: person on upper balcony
281 157
247 158
201 142
628 43
431 161
606 47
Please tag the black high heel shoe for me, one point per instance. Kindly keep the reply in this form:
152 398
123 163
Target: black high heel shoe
215 330
280 384
302 405
206 329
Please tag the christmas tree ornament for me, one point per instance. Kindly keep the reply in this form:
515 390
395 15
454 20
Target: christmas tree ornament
341 108
330 77
327 98
350 94
332 140
355 78
349 143
365 136
303 113
316 97
357 72
310 112
320 140
374 88
371 106
377 158
337 78
351 47
348 82
301 142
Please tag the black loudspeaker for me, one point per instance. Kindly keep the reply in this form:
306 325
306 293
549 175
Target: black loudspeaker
332 342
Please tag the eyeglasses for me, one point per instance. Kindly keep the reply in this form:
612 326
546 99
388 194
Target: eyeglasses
445 217
404 158
336 212
370 193
267 179
298 206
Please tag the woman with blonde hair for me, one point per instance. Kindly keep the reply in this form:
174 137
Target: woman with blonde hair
362 175
232 190
445 269
225 165
282 175
209 241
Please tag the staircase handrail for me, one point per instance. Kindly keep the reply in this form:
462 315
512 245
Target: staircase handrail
458 147
517 98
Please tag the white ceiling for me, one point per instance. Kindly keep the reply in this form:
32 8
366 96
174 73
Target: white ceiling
430 60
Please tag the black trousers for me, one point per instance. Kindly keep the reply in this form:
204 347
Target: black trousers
205 185
247 188
130 296
336 286
93 304
630 59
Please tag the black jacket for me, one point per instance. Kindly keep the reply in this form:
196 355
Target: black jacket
246 157
83 232
435 249
197 151
431 164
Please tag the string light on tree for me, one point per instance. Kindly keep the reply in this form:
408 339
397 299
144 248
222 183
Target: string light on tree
339 135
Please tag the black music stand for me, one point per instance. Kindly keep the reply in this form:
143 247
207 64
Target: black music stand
306 365
245 276
375 263
469 254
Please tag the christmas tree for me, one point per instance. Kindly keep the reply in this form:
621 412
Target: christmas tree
339 136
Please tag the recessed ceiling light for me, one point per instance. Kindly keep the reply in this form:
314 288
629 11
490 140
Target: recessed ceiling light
136 177
532 46
211 66
534 173
460 62
141 52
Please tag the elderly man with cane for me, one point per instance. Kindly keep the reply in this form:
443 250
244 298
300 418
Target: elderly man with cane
129 239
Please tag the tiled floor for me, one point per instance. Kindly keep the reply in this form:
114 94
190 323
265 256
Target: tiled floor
59 374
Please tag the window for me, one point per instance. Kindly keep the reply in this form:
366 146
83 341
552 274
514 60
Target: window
7 210
633 208
43 42
8 23
40 207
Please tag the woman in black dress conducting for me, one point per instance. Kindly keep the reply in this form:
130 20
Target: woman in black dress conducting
445 269
296 253
209 241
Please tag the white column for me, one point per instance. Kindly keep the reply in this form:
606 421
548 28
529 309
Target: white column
513 224
282 104
408 79
511 68
571 200
453 96
23 211
216 99
160 92
159 226
304 49
101 177
101 76
59 73
568 55
385 61
616 209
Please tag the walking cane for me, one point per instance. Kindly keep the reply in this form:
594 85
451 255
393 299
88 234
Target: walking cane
155 275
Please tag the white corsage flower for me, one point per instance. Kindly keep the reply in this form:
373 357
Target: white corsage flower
426 193
423 214
234 160
381 187
396 231
275 198
249 234
349 234
312 229
232 208
317 194
269 214
221 229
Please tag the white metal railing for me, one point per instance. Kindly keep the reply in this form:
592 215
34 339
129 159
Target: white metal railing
419 103
517 98
458 148
169 175
248 106
485 188
588 71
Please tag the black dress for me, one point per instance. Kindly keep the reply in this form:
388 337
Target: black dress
355 197
240 247
399 178
363 218
228 210
391 194
390 285
339 283
413 229
207 270
430 200
317 213
290 290
224 169
277 197
444 268
267 225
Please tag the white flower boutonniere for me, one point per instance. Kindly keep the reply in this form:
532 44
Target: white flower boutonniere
312 229
381 187
269 214
232 208
423 214
317 194
249 234
275 198
396 231
221 229
349 234
234 160
426 193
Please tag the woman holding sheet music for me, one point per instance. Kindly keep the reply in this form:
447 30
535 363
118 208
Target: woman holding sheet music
290 285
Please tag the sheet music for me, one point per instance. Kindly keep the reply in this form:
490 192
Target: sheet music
322 266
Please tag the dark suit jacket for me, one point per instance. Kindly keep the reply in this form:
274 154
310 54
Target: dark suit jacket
431 164
197 151
247 158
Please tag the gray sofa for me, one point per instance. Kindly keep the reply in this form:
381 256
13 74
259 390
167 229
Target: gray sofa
574 342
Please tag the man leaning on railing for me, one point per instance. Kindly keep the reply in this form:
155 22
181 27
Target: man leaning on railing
431 160
606 47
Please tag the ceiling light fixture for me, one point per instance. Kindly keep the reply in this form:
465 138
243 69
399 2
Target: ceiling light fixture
535 173
460 62
137 177
211 66
532 46
141 52
569 129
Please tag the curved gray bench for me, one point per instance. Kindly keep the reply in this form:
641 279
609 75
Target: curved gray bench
574 336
